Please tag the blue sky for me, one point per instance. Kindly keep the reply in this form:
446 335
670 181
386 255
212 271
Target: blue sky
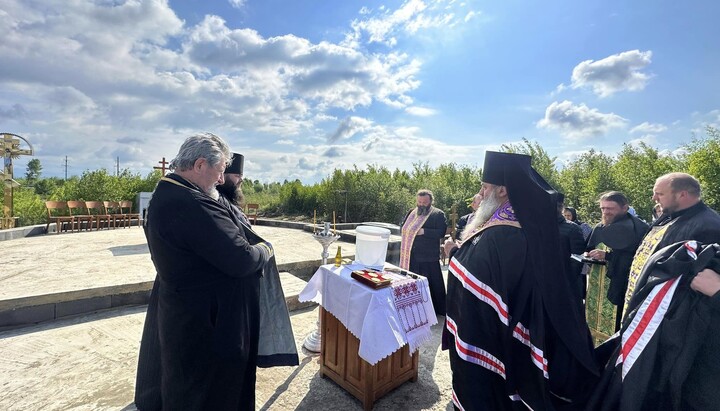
303 87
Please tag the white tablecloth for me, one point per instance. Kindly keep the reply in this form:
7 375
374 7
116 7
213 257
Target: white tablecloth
370 315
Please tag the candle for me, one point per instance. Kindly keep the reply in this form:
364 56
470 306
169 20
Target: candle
334 230
314 215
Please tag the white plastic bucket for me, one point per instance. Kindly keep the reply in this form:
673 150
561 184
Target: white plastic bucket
371 244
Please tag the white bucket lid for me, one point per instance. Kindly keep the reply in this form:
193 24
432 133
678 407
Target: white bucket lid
374 231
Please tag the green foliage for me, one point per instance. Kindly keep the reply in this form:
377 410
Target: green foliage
583 180
372 194
377 193
452 185
29 202
28 206
34 169
46 186
541 160
635 172
298 199
368 195
703 162
99 185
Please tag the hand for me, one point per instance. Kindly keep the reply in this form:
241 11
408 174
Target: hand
596 254
706 282
449 245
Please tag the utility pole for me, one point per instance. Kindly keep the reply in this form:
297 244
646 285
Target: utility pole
117 167
66 166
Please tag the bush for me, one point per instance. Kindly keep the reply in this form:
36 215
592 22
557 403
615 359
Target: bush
28 206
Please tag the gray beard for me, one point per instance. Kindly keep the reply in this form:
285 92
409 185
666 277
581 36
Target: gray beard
423 210
212 192
487 208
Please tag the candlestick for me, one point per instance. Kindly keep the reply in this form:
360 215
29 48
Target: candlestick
314 215
313 342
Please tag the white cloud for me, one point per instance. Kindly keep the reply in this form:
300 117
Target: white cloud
16 111
648 139
392 147
349 127
421 111
579 121
384 26
471 15
238 4
333 152
678 152
648 128
78 77
711 119
619 72
290 67
559 89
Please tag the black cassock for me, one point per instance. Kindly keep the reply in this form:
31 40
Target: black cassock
204 305
505 354
666 354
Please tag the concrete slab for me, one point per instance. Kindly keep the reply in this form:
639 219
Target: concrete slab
292 286
89 363
57 268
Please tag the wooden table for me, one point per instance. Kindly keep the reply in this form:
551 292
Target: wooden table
339 360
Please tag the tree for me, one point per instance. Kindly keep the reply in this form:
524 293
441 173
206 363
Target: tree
28 206
44 187
541 160
34 169
584 179
635 172
703 162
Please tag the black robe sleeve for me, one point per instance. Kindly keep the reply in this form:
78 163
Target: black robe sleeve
208 230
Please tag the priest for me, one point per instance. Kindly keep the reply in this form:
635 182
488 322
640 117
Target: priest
516 337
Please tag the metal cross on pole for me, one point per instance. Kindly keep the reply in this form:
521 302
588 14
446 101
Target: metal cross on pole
162 167
11 149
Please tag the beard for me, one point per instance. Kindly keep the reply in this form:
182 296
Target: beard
609 220
423 210
487 208
232 192
213 192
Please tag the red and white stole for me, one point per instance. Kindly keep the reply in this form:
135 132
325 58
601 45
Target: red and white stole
412 225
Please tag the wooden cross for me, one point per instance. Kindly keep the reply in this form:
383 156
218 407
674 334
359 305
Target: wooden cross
10 145
163 163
